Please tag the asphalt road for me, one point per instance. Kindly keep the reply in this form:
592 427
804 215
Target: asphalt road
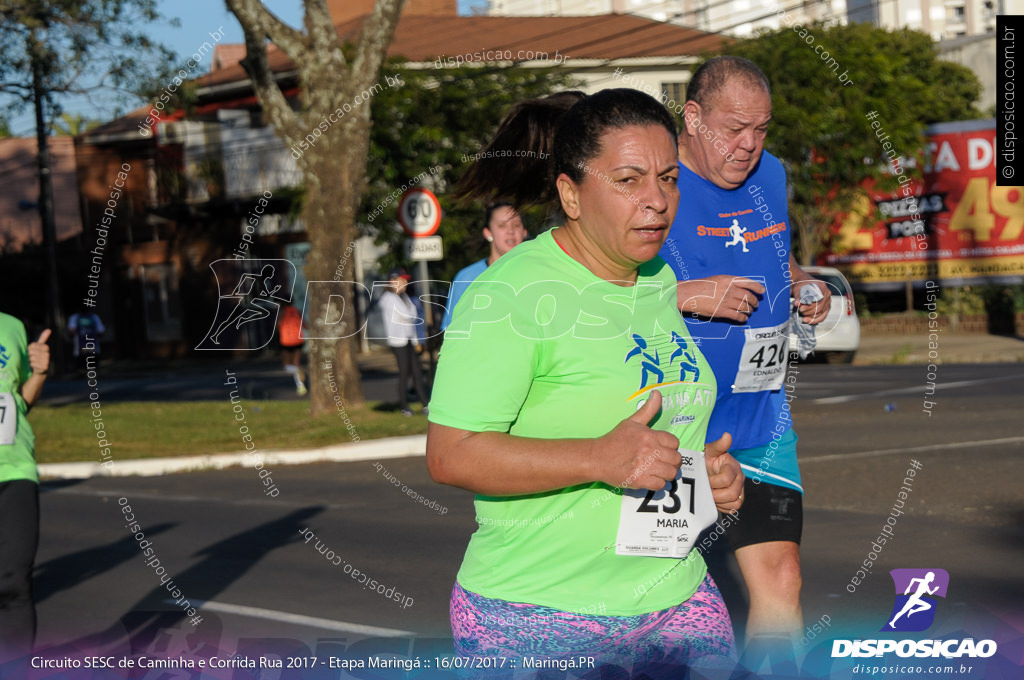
260 378
239 556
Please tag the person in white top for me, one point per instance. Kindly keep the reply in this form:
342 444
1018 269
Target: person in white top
402 323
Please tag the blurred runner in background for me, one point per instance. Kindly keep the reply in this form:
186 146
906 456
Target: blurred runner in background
504 230
289 335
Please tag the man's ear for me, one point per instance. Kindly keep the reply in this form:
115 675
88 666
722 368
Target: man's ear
692 115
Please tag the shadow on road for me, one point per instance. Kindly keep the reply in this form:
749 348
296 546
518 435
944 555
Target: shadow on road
223 563
68 571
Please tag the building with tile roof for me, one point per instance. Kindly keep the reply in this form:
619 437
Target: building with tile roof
197 174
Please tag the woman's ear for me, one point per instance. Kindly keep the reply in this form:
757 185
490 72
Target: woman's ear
568 193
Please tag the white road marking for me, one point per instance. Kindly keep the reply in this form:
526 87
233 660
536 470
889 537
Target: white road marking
298 619
910 390
912 449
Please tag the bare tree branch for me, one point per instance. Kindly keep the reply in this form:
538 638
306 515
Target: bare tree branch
253 14
320 26
275 105
373 43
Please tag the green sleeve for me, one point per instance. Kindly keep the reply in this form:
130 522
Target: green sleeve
490 357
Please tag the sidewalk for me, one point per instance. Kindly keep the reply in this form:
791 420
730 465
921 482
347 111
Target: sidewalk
952 348
372 449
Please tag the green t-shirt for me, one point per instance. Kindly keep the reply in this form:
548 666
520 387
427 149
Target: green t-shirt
17 460
541 347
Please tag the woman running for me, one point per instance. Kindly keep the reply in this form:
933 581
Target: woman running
571 399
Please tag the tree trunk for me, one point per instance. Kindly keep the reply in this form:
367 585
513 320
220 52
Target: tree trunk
333 166
54 316
334 186
811 225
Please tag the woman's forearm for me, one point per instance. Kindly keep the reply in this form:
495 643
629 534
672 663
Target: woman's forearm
500 464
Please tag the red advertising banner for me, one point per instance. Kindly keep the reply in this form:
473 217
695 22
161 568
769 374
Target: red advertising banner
956 225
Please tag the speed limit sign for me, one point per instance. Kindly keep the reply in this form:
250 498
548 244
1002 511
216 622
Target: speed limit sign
419 212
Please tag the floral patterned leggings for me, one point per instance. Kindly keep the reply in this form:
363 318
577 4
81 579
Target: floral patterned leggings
697 632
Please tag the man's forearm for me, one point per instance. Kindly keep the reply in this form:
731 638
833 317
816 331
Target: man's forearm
797 271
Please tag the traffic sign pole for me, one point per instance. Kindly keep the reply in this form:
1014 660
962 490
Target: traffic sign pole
419 213
421 271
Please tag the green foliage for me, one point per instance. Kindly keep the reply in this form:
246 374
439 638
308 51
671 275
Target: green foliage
961 300
75 47
860 305
1015 296
1003 299
436 119
184 96
997 302
294 197
816 116
211 171
72 124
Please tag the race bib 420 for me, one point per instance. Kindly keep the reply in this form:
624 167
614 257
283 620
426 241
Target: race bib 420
763 359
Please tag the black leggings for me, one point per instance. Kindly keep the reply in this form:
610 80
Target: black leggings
409 363
19 538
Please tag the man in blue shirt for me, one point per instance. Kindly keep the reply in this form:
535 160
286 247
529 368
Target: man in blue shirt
730 249
504 231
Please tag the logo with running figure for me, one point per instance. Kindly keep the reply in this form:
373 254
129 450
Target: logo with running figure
248 303
914 609
651 357
737 232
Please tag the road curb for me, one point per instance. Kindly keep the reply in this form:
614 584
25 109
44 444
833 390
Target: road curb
374 449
